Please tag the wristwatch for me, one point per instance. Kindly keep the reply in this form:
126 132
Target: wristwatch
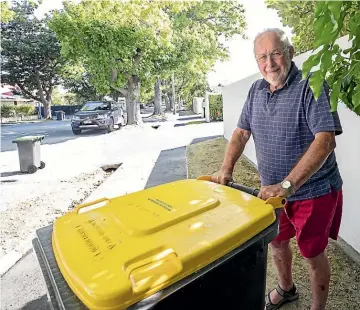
286 184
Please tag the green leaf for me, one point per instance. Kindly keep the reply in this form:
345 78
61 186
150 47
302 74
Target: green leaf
311 62
356 97
316 82
336 48
319 7
335 8
326 61
345 83
344 99
353 23
355 66
319 24
327 34
334 96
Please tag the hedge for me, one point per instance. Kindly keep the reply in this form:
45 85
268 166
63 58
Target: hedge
216 107
12 110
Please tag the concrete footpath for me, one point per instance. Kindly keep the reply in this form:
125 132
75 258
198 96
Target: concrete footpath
22 287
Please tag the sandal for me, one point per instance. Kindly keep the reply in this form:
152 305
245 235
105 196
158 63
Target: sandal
288 296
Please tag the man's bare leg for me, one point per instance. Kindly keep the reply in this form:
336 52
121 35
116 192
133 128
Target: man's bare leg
282 256
319 270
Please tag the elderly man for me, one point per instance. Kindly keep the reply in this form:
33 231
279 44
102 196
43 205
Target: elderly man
294 137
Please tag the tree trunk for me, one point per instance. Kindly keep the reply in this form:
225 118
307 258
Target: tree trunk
167 102
171 102
173 93
157 105
132 101
47 109
46 101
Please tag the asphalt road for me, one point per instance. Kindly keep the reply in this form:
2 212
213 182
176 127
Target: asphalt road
54 132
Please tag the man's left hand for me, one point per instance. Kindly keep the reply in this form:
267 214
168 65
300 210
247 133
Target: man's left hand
273 191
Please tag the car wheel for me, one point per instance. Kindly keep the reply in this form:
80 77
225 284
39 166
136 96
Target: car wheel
110 127
76 131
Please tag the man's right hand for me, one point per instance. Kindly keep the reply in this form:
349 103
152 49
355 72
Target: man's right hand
222 177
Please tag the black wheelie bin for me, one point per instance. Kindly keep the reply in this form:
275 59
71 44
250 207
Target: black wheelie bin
188 244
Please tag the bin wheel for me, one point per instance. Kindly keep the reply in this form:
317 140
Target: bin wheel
42 165
32 169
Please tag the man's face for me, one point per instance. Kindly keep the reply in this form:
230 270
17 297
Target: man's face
275 67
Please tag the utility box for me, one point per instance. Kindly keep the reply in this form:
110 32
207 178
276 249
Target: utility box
198 105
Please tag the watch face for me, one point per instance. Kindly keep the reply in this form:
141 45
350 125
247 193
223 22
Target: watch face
286 184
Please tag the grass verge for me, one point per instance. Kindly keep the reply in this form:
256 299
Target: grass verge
205 158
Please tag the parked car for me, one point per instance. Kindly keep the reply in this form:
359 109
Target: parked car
98 115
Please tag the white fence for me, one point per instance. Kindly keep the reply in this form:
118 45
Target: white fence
347 150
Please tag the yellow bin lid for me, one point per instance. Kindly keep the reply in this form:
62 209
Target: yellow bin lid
125 249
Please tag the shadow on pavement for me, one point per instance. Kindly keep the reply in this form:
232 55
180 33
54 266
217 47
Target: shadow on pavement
190 123
10 174
195 117
37 304
91 132
153 120
170 166
9 181
186 113
147 110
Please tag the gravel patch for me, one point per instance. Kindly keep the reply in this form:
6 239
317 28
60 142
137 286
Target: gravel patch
19 223
73 171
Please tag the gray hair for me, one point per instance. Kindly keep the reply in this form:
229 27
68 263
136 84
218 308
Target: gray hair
283 37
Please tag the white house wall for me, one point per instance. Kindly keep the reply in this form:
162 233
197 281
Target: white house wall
347 150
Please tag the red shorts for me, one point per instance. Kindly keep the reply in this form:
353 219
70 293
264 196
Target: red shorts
312 221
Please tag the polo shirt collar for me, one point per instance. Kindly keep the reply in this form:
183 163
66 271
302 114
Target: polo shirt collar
264 85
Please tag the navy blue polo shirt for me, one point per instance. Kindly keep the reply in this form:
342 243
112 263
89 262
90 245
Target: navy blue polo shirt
283 125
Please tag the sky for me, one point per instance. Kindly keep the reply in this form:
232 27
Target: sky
241 62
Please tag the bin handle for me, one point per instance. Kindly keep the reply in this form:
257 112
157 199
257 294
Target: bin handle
276 202
150 272
77 209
